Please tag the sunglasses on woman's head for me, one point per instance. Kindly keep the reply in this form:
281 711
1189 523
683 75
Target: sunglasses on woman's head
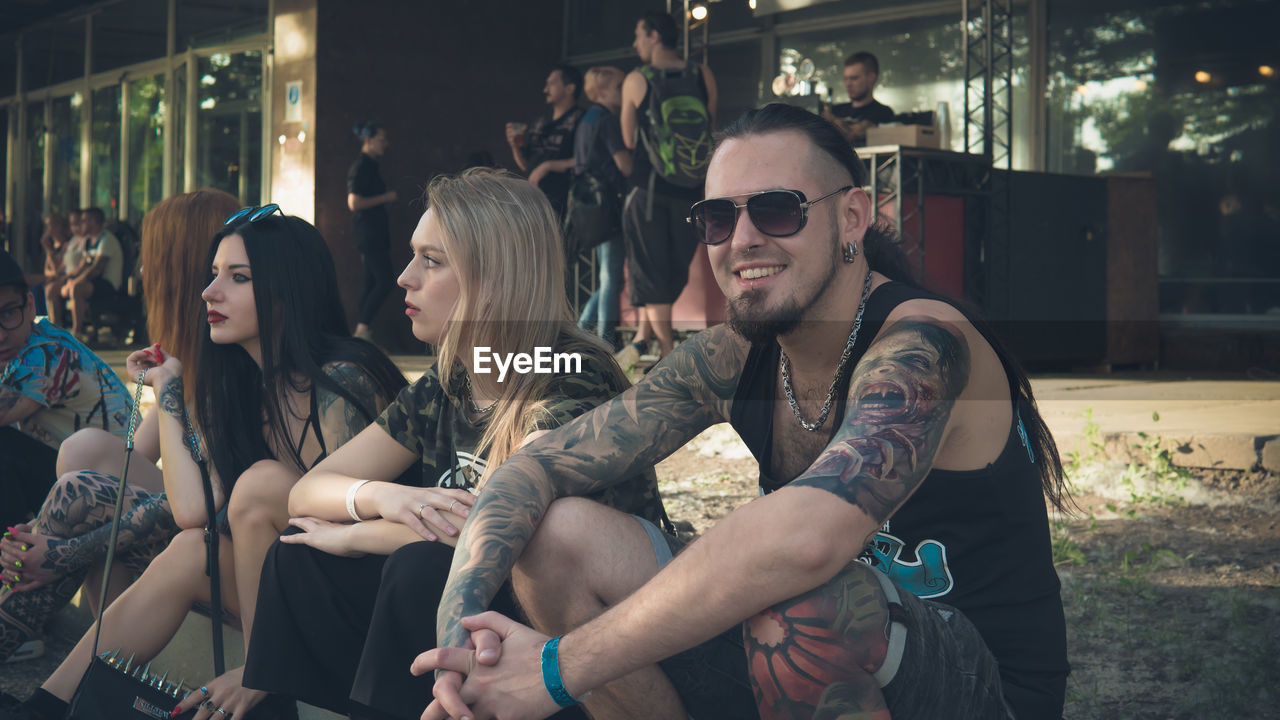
252 213
776 213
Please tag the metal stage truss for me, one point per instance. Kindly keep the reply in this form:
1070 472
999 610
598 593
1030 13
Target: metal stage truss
909 173
582 280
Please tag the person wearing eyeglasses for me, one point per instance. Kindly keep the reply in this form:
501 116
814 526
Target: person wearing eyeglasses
898 561
280 385
45 562
50 386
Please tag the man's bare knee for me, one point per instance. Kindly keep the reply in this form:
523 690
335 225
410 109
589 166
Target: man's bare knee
584 557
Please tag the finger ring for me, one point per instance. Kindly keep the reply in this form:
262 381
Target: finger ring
204 690
224 712
422 507
207 704
455 502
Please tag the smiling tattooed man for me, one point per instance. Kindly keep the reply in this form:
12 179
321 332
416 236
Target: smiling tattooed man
897 563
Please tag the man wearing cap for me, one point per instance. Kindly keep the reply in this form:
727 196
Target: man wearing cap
50 386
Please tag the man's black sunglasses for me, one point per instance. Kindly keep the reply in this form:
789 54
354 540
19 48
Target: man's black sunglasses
252 213
776 213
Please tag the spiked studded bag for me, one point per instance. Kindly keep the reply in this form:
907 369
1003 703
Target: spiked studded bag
114 687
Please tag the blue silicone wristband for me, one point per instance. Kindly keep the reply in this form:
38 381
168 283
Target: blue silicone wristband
551 674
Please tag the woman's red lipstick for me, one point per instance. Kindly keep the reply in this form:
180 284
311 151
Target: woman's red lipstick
216 317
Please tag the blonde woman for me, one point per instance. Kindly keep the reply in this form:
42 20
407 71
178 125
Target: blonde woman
346 602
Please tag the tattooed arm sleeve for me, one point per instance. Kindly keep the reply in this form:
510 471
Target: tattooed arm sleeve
182 481
690 391
900 400
340 419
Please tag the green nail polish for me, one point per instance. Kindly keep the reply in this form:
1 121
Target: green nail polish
17 563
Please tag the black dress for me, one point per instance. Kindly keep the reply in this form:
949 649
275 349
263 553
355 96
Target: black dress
340 633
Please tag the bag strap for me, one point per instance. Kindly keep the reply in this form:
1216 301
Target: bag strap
210 530
130 429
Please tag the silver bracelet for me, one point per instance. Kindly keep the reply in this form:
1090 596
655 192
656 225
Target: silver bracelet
351 499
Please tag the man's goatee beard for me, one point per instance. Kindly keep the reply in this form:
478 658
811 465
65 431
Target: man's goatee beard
761 331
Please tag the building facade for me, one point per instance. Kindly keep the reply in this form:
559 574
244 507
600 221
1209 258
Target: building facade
120 104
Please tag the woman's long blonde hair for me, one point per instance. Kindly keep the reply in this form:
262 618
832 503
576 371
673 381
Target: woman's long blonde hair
176 235
598 77
503 240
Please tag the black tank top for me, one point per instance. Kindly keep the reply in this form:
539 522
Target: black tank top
977 540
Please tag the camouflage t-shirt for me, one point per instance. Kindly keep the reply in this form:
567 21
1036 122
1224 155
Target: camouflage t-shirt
427 419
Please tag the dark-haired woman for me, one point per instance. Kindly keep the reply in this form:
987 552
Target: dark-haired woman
368 197
281 386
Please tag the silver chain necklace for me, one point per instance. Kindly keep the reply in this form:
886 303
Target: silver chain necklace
785 364
471 399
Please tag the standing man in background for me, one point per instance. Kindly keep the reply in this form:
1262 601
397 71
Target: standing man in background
368 197
545 151
669 107
861 71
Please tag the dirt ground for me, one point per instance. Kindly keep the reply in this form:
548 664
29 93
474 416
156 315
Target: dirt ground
1170 580
1171 583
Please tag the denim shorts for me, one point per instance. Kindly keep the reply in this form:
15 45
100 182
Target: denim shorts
711 679
938 664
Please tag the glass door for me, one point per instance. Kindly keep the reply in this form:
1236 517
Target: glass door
229 124
64 161
146 145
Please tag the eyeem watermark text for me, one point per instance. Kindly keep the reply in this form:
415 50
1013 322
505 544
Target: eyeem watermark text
542 362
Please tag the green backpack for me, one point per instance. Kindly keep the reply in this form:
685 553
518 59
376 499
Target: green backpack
678 134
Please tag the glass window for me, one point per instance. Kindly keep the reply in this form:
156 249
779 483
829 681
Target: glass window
53 54
229 124
737 71
921 65
1184 92
598 26
601 26
64 136
6 221
129 32
178 106
820 9
34 177
105 153
202 23
146 145
8 64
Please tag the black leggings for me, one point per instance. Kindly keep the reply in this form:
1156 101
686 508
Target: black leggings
29 471
379 279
